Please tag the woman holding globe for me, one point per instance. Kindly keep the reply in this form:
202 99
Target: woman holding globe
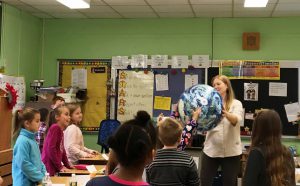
222 146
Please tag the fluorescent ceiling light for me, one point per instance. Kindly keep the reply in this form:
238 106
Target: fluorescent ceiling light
255 3
75 4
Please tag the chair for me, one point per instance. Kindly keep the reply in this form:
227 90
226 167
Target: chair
106 129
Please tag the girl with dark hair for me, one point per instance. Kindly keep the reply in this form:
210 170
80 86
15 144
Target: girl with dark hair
133 145
27 166
40 135
269 163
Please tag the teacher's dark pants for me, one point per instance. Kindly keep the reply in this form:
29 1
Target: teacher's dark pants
229 165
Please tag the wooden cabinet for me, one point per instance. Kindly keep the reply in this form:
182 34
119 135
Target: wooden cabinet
5 140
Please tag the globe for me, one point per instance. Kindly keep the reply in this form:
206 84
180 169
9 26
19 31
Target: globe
205 97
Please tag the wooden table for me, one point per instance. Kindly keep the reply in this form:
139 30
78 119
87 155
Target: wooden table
81 172
97 160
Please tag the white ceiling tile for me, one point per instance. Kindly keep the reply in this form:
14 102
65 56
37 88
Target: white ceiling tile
97 2
175 14
139 15
288 7
122 9
286 13
215 8
172 8
125 2
95 9
42 15
54 9
13 2
27 8
214 14
102 15
253 13
67 15
41 2
288 1
207 2
168 2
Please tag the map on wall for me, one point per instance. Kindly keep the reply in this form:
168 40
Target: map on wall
135 93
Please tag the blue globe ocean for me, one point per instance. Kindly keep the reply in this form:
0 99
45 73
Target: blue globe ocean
208 99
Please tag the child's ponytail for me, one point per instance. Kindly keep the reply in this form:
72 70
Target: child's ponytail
20 117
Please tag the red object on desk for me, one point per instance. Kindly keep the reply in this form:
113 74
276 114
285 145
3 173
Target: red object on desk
80 166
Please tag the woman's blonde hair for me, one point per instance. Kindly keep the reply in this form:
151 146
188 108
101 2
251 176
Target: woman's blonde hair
229 92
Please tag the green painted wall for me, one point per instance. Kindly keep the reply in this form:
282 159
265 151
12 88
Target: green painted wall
221 38
77 38
21 45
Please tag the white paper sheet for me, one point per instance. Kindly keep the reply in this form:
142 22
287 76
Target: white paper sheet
79 78
159 61
139 61
190 80
162 82
292 111
19 85
180 61
119 62
278 89
200 61
251 91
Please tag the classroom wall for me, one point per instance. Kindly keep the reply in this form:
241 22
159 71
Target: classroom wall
21 45
30 46
221 38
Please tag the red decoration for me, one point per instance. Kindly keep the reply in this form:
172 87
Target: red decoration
11 96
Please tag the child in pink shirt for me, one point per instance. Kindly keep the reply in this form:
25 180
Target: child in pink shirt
54 153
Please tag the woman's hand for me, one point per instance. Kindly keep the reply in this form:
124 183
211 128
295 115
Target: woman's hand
94 152
196 114
231 117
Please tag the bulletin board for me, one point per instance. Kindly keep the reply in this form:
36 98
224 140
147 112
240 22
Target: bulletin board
287 75
97 105
176 81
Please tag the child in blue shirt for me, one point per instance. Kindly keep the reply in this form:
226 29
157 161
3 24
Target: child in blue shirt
27 167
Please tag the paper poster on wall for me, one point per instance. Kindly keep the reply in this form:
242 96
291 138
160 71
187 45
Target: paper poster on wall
159 61
139 61
200 61
251 91
190 80
135 93
119 62
79 78
162 103
180 61
19 85
161 82
292 111
278 89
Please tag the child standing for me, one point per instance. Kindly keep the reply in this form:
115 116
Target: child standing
73 143
133 145
269 161
57 101
53 151
27 167
171 166
40 135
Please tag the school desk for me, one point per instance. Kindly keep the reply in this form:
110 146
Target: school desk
82 172
97 160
